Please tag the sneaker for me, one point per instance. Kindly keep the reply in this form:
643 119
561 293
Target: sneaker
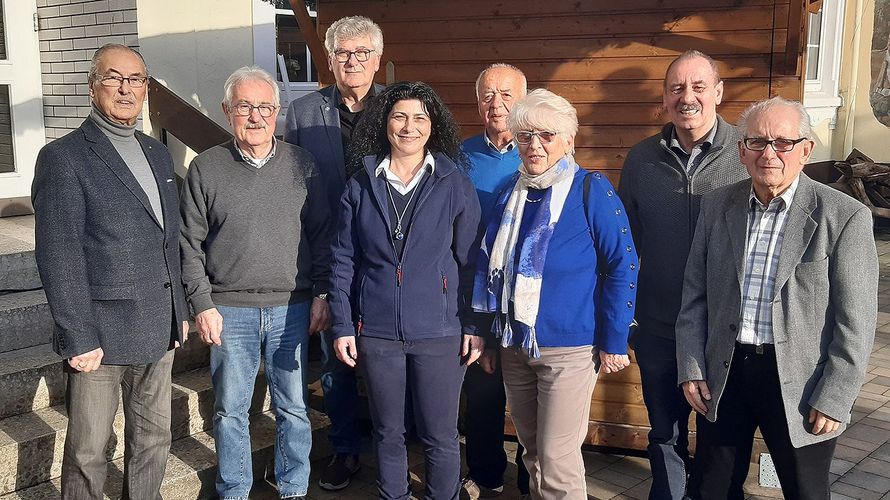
470 490
339 472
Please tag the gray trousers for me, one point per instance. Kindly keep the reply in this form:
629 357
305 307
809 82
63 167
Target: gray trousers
92 400
549 400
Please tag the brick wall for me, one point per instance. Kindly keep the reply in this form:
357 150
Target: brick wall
70 31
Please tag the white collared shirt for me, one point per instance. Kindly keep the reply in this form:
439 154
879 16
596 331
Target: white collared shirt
506 149
429 163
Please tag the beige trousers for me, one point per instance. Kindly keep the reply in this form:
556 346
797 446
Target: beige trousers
549 400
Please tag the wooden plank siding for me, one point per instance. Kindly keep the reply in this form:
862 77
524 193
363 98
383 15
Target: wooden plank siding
608 58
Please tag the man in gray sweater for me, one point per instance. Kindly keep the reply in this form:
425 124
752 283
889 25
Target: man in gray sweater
662 182
255 255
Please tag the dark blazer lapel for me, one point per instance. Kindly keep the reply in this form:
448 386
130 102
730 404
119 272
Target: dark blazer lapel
736 217
331 118
101 145
799 229
156 159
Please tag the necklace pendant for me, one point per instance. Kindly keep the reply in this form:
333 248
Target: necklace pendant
398 234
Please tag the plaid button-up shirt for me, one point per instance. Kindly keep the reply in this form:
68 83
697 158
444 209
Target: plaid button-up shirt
766 230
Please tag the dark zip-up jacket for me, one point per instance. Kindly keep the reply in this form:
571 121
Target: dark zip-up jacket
662 203
423 295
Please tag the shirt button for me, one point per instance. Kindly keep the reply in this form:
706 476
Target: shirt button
726 364
732 327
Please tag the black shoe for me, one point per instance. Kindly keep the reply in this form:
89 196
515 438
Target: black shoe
339 472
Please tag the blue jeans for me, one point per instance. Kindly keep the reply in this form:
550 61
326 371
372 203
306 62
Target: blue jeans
340 399
280 335
668 415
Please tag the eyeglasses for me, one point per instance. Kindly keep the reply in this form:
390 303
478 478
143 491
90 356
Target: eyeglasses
361 55
525 136
779 145
245 109
117 81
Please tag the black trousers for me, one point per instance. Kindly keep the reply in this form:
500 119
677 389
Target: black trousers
484 429
752 399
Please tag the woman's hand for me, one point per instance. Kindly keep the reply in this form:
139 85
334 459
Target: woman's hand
611 363
346 351
472 347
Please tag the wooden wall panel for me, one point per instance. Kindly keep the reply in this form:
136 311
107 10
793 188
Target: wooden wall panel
608 58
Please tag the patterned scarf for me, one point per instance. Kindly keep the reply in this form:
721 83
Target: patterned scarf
498 281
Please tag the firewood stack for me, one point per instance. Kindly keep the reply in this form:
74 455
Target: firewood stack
865 180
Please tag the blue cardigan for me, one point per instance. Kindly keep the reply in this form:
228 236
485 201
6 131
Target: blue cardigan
427 294
588 284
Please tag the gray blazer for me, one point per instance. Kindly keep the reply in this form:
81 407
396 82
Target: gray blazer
825 309
111 274
313 123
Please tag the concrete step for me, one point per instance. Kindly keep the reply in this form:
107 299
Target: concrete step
25 320
31 444
32 378
191 468
18 271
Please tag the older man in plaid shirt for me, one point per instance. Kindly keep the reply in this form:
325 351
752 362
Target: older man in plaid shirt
778 315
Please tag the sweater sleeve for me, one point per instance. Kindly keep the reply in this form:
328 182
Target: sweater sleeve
193 229
617 263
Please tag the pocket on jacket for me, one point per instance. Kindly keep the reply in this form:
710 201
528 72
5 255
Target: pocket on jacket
120 291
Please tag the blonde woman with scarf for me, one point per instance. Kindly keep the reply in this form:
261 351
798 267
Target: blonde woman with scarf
556 277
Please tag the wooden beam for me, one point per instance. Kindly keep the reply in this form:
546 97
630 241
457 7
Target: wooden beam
313 41
796 29
167 111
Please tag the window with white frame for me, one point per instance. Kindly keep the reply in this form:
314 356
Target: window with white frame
823 59
280 47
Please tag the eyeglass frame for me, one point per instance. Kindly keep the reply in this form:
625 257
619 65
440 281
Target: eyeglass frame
234 109
350 53
120 81
535 133
772 143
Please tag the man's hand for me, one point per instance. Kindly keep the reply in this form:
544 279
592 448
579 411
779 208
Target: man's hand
697 392
613 363
88 361
472 347
346 351
210 324
319 315
822 423
489 360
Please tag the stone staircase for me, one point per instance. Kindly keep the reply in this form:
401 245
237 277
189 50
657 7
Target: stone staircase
33 419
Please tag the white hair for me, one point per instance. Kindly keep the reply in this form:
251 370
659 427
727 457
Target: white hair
501 66
759 108
543 110
247 74
350 28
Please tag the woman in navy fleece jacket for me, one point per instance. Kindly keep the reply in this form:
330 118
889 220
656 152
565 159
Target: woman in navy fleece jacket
402 279
556 276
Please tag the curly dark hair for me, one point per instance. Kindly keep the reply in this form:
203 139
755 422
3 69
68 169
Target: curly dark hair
369 136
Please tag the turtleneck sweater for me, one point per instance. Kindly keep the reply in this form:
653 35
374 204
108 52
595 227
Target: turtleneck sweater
123 138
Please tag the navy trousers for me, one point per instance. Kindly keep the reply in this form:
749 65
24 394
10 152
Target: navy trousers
432 371
668 415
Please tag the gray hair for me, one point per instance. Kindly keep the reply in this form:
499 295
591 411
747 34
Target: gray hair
759 108
350 28
501 66
692 54
93 75
543 110
247 74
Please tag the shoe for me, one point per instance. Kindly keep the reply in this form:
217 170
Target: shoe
339 472
470 490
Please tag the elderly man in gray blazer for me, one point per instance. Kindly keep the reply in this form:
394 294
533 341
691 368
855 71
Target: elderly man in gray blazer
107 235
778 316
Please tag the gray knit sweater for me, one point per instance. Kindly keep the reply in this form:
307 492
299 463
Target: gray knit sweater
662 203
253 237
